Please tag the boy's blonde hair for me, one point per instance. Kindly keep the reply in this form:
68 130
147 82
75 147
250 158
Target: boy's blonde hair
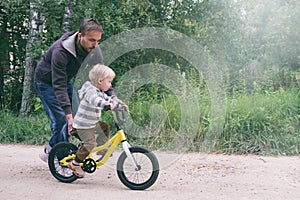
100 72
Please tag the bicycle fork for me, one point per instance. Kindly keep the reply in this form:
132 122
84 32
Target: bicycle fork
126 147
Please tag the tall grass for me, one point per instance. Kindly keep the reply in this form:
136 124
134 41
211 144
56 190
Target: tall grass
260 123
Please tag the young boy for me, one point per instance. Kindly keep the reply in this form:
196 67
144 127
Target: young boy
93 100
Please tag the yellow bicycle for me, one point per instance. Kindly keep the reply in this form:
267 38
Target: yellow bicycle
137 166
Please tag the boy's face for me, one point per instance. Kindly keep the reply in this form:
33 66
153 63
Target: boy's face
90 40
105 84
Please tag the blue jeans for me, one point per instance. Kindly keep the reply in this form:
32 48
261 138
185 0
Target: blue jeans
59 123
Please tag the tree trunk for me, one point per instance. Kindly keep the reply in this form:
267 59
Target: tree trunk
35 35
4 56
67 20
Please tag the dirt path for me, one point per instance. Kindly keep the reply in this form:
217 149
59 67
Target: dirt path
187 176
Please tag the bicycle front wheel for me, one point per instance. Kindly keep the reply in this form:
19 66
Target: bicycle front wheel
144 175
57 153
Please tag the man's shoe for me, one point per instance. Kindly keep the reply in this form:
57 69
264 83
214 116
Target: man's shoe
44 155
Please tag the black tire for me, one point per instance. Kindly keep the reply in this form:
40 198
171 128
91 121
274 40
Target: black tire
58 152
145 176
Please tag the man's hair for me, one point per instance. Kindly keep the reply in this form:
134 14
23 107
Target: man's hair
100 72
90 24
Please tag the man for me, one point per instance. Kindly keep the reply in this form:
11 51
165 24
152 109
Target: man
53 75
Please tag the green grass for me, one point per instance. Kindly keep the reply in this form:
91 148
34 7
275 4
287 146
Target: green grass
34 129
266 124
263 124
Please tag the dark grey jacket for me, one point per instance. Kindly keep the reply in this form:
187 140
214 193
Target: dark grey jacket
60 64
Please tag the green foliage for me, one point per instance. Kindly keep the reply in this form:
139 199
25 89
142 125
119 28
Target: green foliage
34 129
249 81
242 35
13 23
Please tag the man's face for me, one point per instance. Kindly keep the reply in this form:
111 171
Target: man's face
90 40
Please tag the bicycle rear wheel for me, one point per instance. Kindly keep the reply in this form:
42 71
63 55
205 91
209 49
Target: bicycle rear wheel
57 153
145 175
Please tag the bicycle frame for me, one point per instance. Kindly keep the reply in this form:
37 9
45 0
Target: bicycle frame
111 144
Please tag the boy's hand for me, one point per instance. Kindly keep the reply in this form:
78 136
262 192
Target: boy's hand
126 107
116 99
110 105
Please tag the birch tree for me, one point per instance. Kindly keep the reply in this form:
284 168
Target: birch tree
68 14
35 36
4 54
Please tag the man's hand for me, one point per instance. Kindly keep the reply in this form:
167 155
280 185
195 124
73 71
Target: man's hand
70 123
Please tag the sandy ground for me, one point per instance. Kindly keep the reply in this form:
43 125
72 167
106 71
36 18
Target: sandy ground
182 176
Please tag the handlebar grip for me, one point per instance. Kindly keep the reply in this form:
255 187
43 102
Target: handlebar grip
74 133
106 107
121 108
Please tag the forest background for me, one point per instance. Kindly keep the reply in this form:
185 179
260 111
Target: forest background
255 45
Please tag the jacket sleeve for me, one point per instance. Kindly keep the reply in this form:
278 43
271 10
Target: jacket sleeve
60 79
96 99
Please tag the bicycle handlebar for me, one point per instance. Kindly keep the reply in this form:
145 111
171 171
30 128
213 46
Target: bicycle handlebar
121 120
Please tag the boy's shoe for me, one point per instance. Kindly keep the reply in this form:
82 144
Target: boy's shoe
44 155
77 170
